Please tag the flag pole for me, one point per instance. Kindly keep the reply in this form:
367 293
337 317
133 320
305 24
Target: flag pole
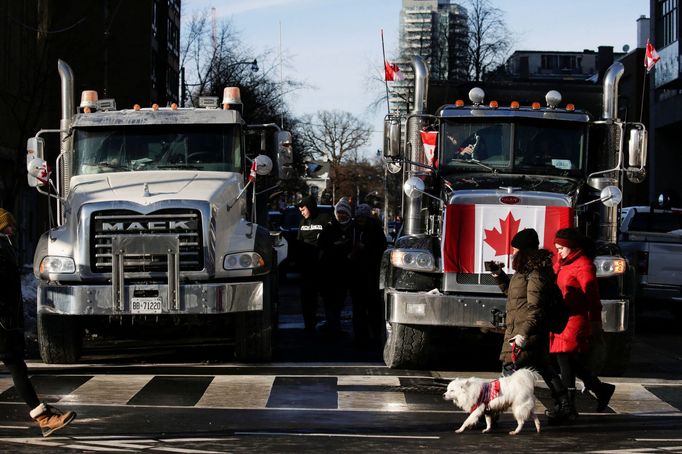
383 51
641 109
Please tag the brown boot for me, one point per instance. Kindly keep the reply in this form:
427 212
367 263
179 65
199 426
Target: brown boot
50 418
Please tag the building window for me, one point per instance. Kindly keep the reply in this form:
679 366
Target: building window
666 22
549 62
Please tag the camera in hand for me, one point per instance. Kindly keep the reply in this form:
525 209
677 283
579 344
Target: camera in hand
492 266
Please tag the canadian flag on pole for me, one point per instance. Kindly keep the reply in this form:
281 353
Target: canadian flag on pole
651 57
429 141
392 71
252 172
475 234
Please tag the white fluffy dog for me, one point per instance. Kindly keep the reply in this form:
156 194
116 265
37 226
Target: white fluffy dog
484 397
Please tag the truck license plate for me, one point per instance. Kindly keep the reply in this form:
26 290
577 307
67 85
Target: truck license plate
145 306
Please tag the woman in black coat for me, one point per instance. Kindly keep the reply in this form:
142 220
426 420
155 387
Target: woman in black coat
12 333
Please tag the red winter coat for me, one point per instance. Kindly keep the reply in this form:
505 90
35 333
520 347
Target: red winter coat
577 279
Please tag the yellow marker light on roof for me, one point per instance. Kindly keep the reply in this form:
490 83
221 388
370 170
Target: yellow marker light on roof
493 105
174 106
514 105
155 106
136 107
570 107
459 103
535 105
89 99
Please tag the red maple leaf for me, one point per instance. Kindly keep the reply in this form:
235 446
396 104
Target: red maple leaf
500 241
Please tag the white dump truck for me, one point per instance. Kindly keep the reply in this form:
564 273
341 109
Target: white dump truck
156 221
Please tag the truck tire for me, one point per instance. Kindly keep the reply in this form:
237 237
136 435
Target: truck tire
253 330
60 338
407 346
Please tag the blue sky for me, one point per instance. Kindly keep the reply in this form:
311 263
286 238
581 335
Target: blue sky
335 45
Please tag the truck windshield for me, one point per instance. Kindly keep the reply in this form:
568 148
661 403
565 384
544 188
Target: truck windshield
164 147
529 147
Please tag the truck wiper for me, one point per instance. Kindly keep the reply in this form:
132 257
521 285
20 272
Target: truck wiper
112 165
475 161
178 166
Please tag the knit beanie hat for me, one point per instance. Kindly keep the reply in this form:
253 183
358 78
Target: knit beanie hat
343 207
6 219
569 238
526 239
307 201
363 210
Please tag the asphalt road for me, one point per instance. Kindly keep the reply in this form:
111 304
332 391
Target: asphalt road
324 395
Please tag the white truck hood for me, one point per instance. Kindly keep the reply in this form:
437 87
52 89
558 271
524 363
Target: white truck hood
146 188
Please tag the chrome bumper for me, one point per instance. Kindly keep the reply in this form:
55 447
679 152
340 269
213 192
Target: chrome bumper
437 309
206 298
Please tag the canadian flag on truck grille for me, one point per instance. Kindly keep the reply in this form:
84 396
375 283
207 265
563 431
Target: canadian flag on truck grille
475 234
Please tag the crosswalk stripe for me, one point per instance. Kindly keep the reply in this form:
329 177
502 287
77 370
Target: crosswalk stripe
372 401
633 398
369 380
5 384
107 389
237 391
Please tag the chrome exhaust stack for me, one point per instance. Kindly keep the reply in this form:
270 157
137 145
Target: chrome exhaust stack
414 219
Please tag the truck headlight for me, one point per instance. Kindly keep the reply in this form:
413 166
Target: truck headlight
609 266
413 259
53 264
243 261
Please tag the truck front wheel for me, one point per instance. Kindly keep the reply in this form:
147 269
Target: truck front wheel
60 338
253 330
407 346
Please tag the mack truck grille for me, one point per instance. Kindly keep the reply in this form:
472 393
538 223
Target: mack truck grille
185 223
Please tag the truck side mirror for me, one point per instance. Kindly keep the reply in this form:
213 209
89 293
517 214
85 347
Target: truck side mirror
285 155
611 196
637 148
36 167
637 151
392 137
263 164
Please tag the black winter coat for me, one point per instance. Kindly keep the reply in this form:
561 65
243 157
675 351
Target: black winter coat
11 303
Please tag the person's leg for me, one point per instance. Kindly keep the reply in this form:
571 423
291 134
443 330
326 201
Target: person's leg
48 418
563 410
360 296
567 365
309 292
23 385
602 391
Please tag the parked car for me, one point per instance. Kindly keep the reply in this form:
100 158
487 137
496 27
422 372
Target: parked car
651 239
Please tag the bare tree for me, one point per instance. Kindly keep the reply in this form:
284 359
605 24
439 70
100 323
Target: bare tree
214 58
335 135
489 40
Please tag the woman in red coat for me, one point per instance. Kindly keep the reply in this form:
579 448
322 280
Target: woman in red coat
577 279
